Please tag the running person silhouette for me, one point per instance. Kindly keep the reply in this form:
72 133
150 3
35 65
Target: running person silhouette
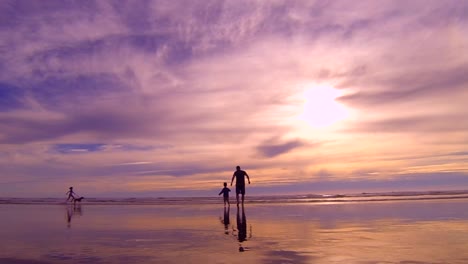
240 175
71 194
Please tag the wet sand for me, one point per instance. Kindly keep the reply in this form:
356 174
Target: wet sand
409 232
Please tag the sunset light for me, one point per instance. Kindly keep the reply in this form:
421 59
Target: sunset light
320 107
233 131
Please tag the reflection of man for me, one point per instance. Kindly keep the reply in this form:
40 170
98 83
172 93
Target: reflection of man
241 226
240 175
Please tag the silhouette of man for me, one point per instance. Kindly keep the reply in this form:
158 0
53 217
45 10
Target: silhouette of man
240 175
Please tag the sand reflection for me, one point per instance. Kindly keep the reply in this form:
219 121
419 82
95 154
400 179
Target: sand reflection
241 232
225 220
346 233
73 210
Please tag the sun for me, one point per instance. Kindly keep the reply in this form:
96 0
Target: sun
320 107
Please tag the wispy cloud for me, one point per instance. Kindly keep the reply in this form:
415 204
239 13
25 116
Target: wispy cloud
271 148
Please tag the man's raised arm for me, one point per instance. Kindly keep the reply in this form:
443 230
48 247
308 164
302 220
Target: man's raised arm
234 175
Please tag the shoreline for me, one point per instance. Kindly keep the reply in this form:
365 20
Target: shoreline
258 200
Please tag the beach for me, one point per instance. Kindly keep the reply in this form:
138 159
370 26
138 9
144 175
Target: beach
409 231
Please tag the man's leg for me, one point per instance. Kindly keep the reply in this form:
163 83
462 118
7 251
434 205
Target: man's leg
243 193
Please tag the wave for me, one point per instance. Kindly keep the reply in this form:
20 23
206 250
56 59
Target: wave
290 199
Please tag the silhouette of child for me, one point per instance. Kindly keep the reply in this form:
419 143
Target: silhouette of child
225 191
71 194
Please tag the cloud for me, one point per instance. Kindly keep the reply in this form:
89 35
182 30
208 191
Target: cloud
413 86
414 124
408 182
274 148
76 148
459 153
11 97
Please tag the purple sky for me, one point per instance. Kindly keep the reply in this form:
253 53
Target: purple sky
165 98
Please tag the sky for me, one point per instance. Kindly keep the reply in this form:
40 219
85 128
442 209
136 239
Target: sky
165 98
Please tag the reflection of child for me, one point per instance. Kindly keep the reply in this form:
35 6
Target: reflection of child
71 194
225 191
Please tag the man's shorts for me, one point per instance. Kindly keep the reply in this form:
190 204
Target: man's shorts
240 189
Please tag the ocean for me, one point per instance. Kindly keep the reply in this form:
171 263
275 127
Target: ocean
369 228
268 199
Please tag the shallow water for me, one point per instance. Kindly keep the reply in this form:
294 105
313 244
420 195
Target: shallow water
428 231
276 199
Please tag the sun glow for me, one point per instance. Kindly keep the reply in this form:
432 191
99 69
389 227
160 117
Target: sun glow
320 108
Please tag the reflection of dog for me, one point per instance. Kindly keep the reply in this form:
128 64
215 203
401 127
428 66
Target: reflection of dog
78 199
